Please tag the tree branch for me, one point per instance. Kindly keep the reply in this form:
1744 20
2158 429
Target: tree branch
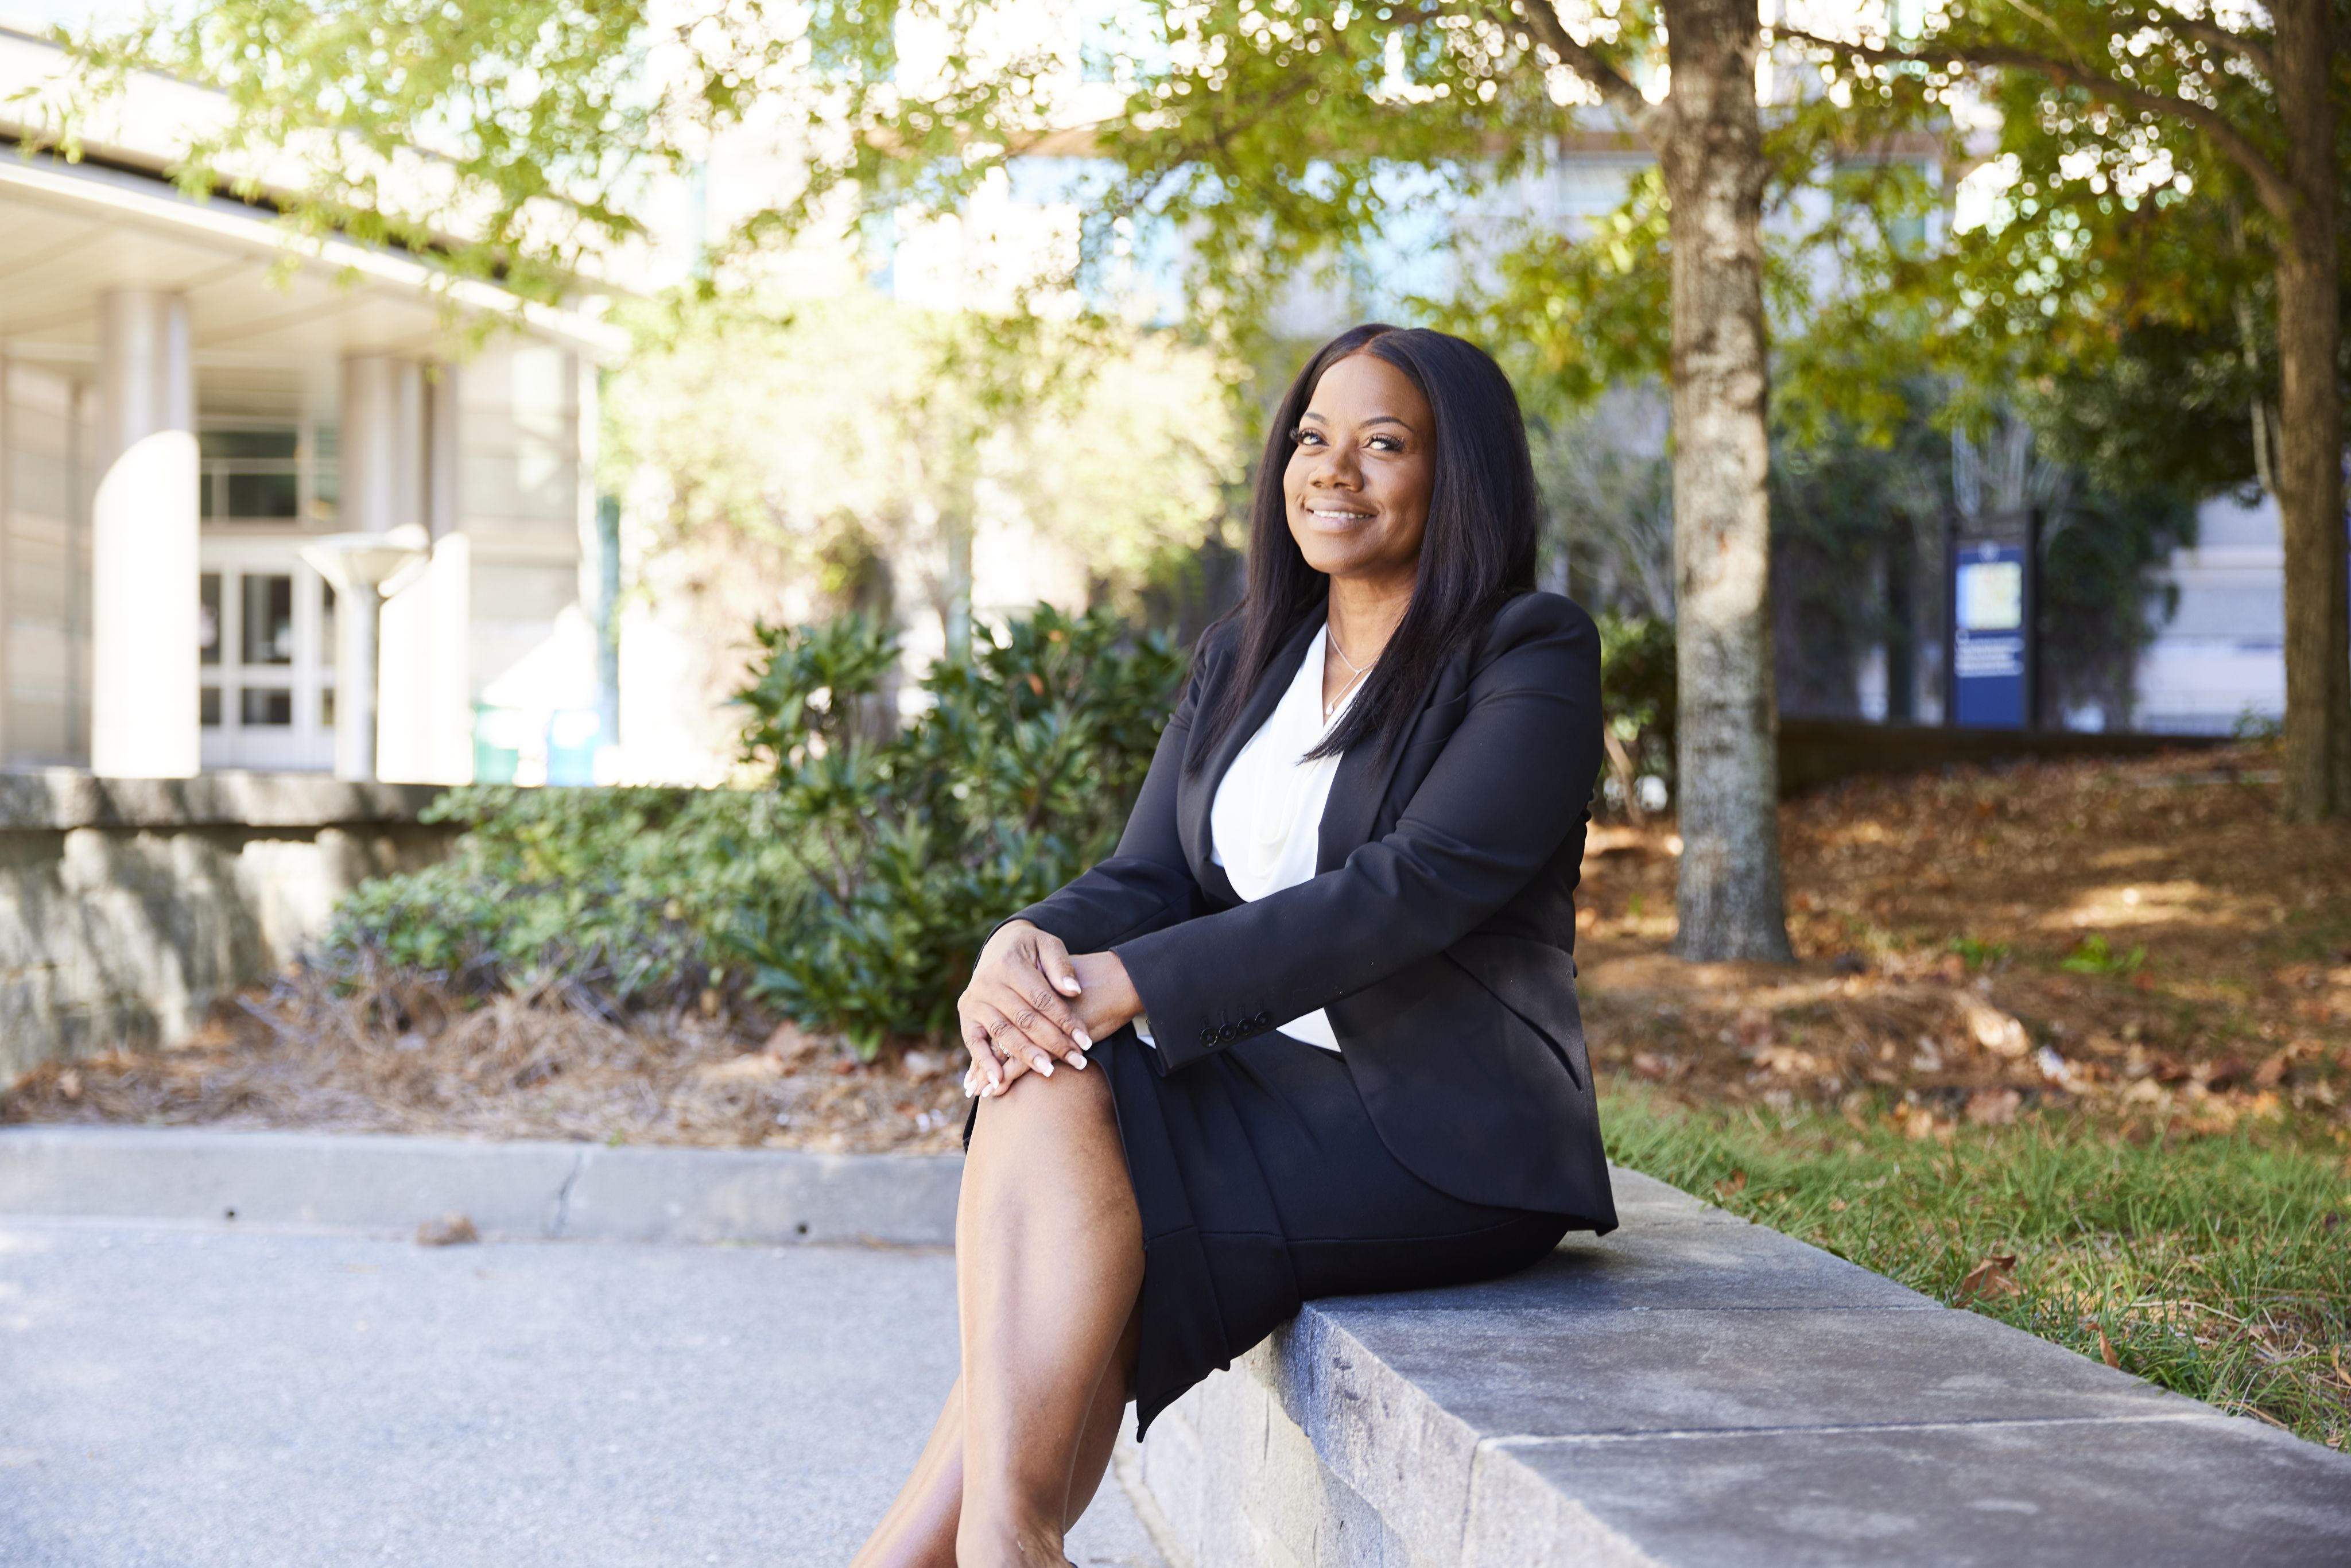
1615 90
2218 37
2276 193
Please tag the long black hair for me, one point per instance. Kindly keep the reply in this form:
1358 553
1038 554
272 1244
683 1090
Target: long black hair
1478 548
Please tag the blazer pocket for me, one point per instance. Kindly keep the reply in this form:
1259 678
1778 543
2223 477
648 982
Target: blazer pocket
1569 1056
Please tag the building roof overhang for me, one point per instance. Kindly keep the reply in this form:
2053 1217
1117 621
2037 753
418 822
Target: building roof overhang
70 231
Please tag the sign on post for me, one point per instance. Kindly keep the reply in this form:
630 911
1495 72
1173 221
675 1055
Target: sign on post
1994 652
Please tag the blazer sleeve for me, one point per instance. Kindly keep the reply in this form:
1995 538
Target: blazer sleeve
1514 779
1145 884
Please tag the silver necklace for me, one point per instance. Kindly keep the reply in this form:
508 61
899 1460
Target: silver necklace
1331 643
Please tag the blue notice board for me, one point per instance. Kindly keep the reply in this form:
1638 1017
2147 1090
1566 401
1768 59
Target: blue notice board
1989 683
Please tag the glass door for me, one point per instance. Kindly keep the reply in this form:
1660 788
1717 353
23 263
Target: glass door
267 675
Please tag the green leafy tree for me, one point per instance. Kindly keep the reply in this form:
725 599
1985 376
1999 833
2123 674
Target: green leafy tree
808 457
2164 156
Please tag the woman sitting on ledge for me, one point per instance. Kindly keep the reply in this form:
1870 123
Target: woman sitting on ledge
1325 981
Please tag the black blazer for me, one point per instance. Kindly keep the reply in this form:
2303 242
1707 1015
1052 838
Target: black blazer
1438 930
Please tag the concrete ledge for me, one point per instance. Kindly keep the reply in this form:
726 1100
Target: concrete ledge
57 799
1696 1390
511 1191
128 906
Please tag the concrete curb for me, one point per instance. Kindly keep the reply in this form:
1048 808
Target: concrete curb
511 1191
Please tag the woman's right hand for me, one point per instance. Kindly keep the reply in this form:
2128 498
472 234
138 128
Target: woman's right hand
1015 1016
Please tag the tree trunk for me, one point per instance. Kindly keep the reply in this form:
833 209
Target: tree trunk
2310 447
1730 902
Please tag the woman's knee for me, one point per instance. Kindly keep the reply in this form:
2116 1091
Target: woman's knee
1071 1097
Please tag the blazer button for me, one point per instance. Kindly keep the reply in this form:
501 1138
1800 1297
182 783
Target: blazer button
1209 1037
1227 1034
1263 1020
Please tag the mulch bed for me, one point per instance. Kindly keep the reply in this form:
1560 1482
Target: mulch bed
404 1056
2143 939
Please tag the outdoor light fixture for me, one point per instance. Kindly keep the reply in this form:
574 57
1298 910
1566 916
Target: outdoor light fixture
363 570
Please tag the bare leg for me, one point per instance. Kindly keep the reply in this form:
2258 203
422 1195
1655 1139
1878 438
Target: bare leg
1100 1434
919 1530
1049 1261
1036 1208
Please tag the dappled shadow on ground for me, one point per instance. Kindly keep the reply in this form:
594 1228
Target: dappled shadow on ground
2142 937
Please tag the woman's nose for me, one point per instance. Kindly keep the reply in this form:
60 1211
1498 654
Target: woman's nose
1336 468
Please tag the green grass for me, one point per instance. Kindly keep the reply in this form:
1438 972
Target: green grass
2220 1267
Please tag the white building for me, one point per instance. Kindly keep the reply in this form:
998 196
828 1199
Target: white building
189 397
2220 657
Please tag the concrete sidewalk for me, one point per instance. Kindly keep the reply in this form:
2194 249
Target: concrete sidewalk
1691 1391
199 1396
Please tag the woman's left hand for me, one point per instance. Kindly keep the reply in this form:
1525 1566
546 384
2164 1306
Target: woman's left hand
1105 1002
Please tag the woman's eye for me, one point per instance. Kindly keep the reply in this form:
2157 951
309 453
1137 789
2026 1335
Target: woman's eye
1387 443
1304 437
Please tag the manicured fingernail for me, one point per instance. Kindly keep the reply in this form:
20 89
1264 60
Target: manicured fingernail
1068 983
1078 1059
1085 1041
1043 1065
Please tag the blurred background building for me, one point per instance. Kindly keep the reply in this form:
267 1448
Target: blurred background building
191 399
189 394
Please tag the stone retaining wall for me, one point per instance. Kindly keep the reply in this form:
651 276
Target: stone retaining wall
127 906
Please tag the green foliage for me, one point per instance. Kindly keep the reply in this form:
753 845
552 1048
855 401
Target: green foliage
2098 549
1976 954
854 893
1854 513
536 112
1367 147
1637 694
914 842
1857 517
2115 258
2093 956
633 895
2212 1266
811 443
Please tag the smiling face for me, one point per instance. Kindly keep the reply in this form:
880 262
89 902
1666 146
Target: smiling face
1359 478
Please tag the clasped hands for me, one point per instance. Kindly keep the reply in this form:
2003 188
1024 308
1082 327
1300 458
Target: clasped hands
1030 1001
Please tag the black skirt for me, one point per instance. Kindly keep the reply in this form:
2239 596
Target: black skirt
1262 1184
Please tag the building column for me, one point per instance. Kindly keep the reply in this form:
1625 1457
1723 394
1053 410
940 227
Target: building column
144 597
383 488
424 725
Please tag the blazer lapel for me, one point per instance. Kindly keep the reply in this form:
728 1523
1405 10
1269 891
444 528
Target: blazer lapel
1362 781
1193 827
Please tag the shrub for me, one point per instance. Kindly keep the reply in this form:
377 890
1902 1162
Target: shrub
854 894
915 841
635 896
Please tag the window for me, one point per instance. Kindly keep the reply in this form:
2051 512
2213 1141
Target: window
251 475
268 619
268 707
208 624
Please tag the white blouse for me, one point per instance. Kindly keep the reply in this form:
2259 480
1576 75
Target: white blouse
1265 824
